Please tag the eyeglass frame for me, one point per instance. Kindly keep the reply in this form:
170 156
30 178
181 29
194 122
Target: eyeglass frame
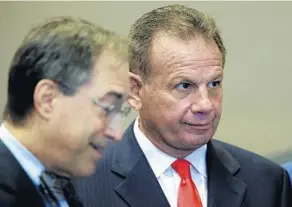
109 109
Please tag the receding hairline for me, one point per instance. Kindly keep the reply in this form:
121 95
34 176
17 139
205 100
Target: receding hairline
163 47
176 20
161 34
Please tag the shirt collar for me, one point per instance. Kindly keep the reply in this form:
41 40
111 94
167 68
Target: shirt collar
160 161
32 166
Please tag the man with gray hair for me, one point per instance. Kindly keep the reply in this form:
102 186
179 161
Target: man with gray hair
167 156
67 83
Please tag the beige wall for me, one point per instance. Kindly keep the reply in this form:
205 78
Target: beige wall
257 99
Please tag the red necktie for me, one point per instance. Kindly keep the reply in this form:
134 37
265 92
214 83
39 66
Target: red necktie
188 195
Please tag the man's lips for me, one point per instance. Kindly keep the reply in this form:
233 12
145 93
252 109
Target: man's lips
205 125
96 146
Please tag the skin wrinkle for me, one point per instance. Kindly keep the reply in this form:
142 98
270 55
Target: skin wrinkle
185 54
197 62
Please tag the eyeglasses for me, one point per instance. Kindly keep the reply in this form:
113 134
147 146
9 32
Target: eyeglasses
110 109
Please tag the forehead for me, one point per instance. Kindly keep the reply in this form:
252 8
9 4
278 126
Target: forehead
109 77
173 53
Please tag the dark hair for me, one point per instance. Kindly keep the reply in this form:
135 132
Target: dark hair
62 49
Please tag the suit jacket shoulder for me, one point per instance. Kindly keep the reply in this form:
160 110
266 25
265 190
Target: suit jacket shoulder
259 175
16 188
246 159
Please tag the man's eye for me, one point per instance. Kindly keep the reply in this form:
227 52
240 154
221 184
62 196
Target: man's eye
214 84
183 86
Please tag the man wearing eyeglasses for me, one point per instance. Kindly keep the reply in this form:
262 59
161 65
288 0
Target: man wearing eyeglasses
67 84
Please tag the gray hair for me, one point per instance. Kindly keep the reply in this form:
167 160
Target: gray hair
175 20
62 49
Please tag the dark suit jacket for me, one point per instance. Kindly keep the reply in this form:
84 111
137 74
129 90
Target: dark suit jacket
16 188
236 178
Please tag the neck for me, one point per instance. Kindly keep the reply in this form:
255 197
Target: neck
26 133
162 144
31 136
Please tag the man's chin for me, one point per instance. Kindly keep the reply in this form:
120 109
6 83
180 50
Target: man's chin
85 172
196 141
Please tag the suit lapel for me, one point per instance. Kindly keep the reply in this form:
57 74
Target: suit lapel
25 192
129 161
224 189
28 194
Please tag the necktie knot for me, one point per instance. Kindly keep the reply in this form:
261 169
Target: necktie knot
182 167
56 188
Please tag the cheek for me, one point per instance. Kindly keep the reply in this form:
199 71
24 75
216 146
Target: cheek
75 127
164 108
76 135
153 105
217 105
97 127
168 115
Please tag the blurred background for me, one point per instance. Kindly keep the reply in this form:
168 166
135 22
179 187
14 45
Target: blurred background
257 104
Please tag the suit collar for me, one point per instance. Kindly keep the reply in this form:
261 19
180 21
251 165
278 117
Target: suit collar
224 188
126 154
160 161
22 188
28 161
129 161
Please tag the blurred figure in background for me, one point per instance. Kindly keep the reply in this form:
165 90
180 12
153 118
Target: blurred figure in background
288 167
167 156
67 84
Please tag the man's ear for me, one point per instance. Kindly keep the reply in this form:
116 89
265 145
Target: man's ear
136 84
44 96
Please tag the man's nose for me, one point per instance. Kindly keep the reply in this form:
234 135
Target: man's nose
114 128
202 102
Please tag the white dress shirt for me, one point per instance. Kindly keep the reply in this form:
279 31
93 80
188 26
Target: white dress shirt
168 178
31 165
